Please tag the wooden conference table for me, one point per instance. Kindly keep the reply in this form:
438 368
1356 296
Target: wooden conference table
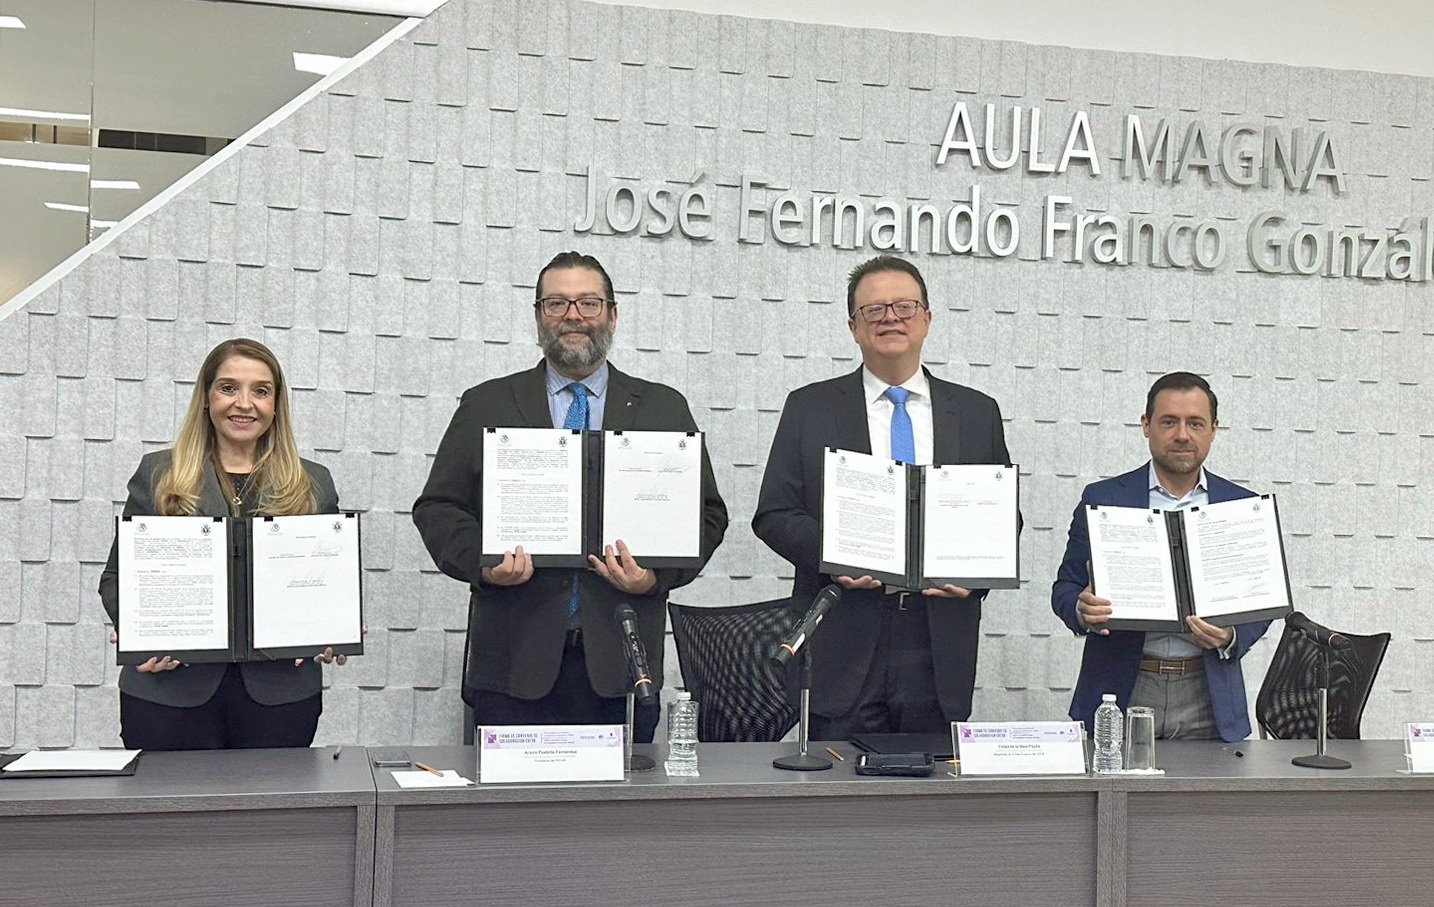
267 826
229 827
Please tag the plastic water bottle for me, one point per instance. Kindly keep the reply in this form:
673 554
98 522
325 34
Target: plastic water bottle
1109 732
682 735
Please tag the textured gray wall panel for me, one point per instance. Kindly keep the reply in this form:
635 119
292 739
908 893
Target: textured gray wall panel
384 240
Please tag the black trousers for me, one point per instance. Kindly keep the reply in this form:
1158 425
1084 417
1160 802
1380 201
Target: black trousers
898 695
229 720
570 701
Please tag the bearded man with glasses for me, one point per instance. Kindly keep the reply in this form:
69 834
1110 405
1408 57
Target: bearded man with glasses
543 646
883 663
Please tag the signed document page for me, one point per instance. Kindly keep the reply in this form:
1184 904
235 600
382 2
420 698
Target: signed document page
652 493
969 526
1237 560
306 581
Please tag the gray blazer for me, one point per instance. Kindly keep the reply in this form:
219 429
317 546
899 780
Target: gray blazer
267 682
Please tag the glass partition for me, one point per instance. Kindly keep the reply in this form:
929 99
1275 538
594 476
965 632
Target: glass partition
104 103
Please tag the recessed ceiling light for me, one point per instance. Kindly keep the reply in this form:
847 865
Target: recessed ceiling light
11 22
102 224
44 165
113 184
61 206
323 64
23 112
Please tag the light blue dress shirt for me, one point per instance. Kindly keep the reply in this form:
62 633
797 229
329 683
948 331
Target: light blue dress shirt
560 398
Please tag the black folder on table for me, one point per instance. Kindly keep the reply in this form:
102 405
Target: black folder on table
938 745
7 758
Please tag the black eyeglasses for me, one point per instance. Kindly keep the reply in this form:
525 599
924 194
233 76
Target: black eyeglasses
557 306
902 308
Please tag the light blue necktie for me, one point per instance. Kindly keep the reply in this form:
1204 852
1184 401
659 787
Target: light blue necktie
903 442
577 418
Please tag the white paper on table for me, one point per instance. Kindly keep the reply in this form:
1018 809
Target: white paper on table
863 512
173 584
1021 747
1237 562
449 778
969 527
72 761
532 491
652 492
305 585
1130 563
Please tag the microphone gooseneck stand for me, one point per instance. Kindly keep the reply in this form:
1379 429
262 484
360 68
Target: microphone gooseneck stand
636 762
1320 759
801 760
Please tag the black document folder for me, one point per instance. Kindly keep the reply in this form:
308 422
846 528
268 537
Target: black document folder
934 498
1236 575
233 541
591 448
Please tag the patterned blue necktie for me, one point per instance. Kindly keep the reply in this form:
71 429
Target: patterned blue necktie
577 418
903 442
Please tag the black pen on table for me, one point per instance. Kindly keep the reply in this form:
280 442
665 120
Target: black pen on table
1232 751
337 751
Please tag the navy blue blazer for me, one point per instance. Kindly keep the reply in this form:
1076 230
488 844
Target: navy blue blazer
1110 664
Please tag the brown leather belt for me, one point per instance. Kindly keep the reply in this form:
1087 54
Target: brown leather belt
1171 665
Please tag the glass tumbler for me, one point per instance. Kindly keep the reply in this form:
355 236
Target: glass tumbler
1139 739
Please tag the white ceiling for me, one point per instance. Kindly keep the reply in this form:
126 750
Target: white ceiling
1391 36
186 67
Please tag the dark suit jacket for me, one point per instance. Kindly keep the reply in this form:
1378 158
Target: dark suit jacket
967 429
267 682
516 633
1110 664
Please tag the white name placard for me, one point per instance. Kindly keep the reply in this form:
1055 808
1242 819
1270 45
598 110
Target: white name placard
1419 746
1021 747
521 754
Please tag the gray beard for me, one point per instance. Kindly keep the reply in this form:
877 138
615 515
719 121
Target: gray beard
576 358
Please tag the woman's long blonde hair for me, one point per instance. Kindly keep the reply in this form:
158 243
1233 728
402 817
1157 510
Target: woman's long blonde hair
281 485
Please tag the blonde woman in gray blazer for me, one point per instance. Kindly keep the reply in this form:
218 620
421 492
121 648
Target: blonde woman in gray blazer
234 456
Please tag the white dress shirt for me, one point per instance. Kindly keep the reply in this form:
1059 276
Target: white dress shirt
879 409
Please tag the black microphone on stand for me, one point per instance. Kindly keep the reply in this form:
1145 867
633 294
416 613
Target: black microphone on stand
801 760
1319 635
793 644
642 686
642 690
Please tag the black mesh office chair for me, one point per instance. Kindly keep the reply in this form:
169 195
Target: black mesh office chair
724 656
1288 705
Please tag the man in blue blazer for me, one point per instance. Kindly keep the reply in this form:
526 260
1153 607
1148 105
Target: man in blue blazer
1192 680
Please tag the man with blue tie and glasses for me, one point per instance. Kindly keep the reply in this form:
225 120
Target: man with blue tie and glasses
543 646
898 662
